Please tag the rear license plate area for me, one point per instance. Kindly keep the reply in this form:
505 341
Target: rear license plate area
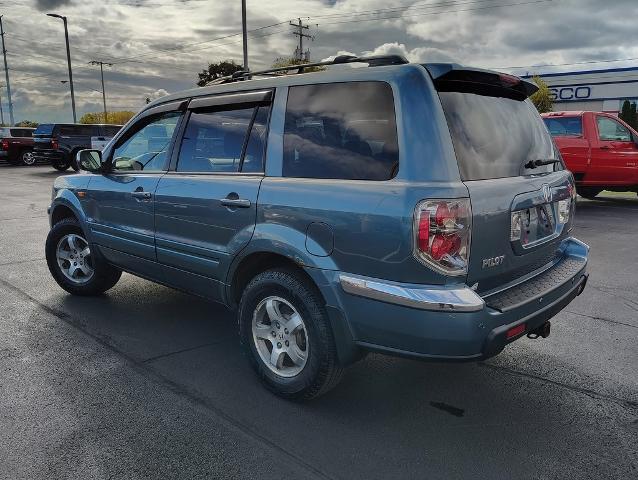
537 224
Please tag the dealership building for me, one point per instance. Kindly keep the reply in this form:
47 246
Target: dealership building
596 90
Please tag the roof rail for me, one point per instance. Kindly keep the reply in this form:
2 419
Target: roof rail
372 61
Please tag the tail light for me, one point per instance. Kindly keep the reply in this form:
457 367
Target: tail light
442 234
54 143
5 144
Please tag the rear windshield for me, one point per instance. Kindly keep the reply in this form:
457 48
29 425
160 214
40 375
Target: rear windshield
44 129
21 132
111 131
494 137
564 126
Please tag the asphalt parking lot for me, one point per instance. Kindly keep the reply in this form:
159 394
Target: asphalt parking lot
147 382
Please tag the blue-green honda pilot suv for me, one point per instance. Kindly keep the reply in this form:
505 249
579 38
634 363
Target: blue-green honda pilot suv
413 210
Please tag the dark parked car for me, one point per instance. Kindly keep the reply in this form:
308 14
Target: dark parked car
413 210
58 143
16 145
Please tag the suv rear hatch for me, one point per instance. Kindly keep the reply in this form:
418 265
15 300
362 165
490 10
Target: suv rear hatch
520 193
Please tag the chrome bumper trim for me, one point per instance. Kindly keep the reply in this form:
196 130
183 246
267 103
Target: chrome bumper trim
456 299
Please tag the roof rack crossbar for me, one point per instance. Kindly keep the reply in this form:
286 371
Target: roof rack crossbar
372 61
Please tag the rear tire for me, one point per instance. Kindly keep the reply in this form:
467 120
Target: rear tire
72 264
588 192
304 364
27 158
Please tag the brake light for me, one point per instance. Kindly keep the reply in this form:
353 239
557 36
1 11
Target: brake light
54 143
442 231
5 144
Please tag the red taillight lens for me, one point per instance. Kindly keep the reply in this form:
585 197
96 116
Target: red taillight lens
54 143
443 235
5 144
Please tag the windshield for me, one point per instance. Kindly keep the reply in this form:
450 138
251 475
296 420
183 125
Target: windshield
494 137
44 129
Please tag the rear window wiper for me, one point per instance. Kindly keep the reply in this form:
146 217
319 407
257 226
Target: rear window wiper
540 162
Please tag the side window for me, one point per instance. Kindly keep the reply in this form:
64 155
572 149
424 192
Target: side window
146 147
214 140
611 130
341 131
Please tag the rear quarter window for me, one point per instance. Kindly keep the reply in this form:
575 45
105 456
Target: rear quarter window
341 131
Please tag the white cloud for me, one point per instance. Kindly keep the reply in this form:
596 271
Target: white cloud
157 48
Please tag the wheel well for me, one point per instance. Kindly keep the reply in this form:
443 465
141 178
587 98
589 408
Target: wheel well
256 263
60 213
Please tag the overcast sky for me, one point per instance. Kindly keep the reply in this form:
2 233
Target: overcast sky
158 46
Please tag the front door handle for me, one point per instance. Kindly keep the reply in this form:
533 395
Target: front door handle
605 147
141 195
235 202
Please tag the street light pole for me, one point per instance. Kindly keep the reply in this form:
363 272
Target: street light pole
6 72
68 59
101 64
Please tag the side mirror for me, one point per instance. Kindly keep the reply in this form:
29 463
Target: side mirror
89 160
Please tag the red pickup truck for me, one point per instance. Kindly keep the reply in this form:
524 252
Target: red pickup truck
600 149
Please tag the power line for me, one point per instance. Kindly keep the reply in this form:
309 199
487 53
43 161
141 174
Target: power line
437 13
588 62
189 45
402 8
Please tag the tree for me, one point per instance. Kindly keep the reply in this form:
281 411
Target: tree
288 61
217 70
27 123
113 118
542 99
633 116
628 114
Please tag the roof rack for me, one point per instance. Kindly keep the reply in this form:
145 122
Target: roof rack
372 61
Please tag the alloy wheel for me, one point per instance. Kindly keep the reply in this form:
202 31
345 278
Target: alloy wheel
74 258
280 336
28 158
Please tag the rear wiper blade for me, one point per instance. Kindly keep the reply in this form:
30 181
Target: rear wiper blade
540 162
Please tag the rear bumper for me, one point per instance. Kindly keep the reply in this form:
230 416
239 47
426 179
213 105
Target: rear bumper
48 155
448 324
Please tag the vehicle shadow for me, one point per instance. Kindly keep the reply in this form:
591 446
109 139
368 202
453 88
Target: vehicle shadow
388 415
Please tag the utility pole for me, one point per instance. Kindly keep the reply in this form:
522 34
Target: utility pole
68 60
101 64
244 33
6 73
299 54
1 112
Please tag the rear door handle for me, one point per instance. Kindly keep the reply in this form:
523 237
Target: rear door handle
236 202
142 195
605 147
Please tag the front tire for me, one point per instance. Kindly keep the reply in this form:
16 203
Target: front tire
73 265
285 333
